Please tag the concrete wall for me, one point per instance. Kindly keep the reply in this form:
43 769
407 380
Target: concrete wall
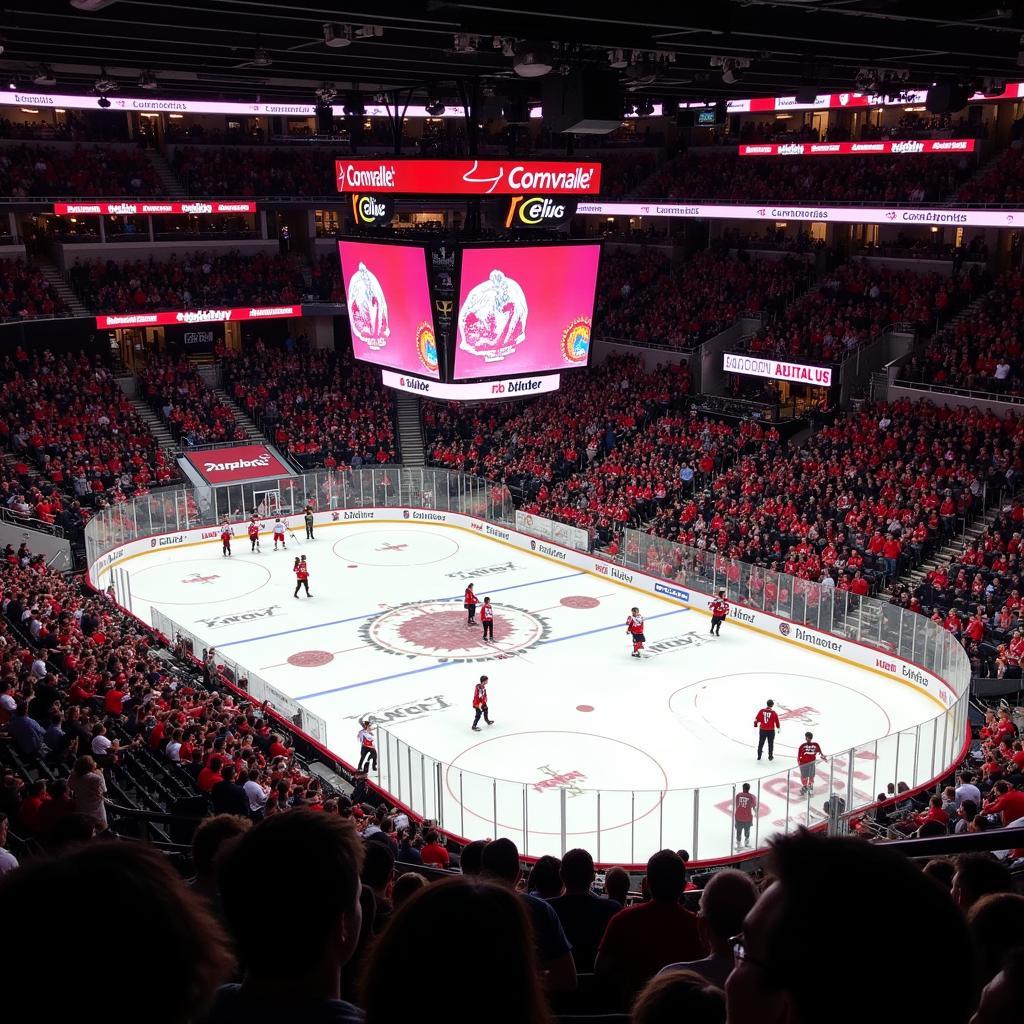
67 253
651 357
56 551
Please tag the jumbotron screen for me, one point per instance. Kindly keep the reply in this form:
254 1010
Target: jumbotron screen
524 309
389 308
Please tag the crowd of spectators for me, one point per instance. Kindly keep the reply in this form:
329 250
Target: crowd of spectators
999 181
321 408
728 177
25 293
66 416
193 413
28 172
643 298
193 280
255 171
980 352
854 303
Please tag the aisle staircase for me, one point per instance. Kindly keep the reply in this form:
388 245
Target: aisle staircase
410 429
56 279
172 188
157 427
252 432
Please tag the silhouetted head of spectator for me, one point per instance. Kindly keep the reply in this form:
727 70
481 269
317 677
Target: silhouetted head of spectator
177 953
500 861
378 866
616 884
545 879
436 937
677 996
326 853
726 900
996 924
577 872
1002 1001
977 875
406 886
827 886
666 877
209 841
472 856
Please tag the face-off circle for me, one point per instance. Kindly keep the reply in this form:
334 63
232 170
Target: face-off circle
400 547
438 629
198 582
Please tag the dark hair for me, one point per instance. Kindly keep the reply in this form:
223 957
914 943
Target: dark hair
406 886
378 864
577 869
679 996
209 838
176 947
616 884
830 881
666 876
728 897
324 851
472 857
545 878
501 860
978 874
436 938
996 924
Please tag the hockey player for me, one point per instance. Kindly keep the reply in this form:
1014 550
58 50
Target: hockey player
254 534
744 806
469 602
767 723
307 518
301 570
279 535
367 752
225 541
719 610
635 628
807 755
480 704
487 619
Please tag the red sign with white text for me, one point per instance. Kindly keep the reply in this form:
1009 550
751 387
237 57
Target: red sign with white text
242 462
879 148
177 208
196 316
469 177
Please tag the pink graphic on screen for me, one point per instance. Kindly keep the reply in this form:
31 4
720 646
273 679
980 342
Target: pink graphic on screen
525 309
389 311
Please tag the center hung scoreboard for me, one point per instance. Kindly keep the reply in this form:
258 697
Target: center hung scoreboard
471 320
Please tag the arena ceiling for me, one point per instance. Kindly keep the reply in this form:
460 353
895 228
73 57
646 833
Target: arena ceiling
244 49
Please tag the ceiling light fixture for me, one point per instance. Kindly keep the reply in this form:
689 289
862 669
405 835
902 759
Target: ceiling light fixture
532 60
337 36
434 107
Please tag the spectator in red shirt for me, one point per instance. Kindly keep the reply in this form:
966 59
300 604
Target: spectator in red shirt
1007 802
641 940
210 776
433 853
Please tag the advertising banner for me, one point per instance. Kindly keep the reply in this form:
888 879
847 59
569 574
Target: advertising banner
468 177
907 147
775 369
389 308
155 206
515 387
196 316
524 309
239 462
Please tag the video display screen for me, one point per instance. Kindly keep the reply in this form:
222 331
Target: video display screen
524 309
389 307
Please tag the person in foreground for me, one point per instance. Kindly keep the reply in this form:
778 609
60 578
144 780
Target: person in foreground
467 941
822 897
295 975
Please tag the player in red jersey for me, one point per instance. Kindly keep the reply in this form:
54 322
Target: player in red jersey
635 628
807 755
254 534
768 724
480 704
469 602
487 619
225 541
719 610
301 570
743 813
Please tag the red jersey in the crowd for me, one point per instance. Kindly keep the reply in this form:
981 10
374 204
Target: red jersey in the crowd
486 613
479 695
808 752
745 805
1009 806
767 720
302 571
720 607
635 624
470 597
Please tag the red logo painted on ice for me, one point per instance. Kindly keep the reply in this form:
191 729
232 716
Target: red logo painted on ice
199 578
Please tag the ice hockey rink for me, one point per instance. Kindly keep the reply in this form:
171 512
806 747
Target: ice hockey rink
589 747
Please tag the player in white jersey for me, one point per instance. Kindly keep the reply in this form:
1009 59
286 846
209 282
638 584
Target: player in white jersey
279 534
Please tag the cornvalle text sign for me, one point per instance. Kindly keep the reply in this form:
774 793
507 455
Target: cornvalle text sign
822 214
116 207
775 369
906 147
241 462
468 177
510 387
196 316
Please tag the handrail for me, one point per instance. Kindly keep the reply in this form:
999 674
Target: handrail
946 389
